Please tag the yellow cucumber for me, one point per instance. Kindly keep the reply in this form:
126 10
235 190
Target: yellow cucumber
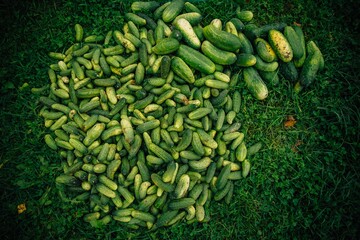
280 45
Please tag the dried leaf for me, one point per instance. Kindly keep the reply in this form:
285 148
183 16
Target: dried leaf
297 24
289 122
21 208
296 145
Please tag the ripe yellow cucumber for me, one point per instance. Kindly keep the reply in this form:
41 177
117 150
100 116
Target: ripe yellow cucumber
280 45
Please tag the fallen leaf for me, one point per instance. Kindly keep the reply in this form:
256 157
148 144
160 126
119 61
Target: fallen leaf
296 145
297 24
21 208
289 122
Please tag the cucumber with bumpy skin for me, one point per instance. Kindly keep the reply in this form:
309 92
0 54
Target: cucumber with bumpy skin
181 69
187 32
172 10
216 54
195 59
280 45
255 84
221 39
166 46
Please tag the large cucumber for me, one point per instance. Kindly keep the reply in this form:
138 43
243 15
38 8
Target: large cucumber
172 10
294 41
221 39
196 59
280 45
187 32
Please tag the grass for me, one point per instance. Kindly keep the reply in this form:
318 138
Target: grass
304 182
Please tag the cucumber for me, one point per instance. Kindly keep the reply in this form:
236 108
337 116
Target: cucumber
188 33
141 6
245 60
196 59
264 30
181 203
193 18
79 33
245 15
172 10
265 66
254 83
166 46
135 18
176 34
189 7
180 68
216 54
289 71
310 69
238 24
246 46
294 41
299 62
264 50
280 45
270 77
311 47
221 39
165 66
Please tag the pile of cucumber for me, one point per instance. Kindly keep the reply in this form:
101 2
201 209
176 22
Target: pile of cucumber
145 117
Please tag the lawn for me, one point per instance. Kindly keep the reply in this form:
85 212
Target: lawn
303 184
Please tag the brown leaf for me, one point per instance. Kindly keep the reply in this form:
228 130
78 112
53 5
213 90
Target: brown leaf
289 122
297 24
296 145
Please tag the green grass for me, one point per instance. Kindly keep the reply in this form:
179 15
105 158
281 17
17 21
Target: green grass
304 182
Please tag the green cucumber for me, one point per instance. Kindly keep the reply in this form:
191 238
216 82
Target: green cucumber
217 55
294 41
196 59
180 68
221 39
254 83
